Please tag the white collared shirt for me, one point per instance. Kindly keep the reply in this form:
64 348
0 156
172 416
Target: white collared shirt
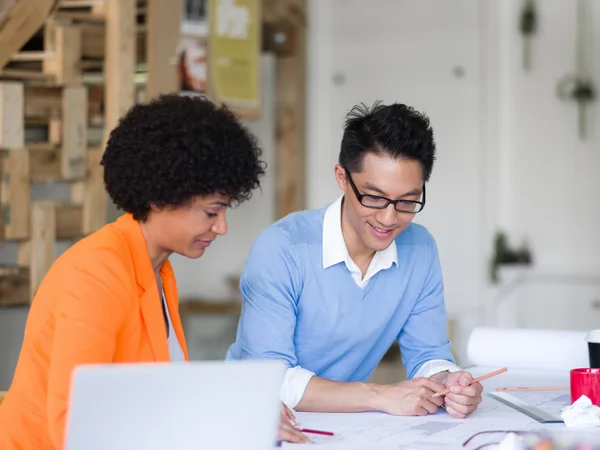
175 350
335 252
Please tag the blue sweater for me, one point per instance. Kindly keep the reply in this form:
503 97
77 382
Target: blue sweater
296 311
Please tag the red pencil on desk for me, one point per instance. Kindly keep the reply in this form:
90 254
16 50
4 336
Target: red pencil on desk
324 433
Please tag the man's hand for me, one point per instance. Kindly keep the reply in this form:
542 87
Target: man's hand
462 399
409 398
287 427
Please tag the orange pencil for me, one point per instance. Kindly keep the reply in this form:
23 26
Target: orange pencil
534 388
475 380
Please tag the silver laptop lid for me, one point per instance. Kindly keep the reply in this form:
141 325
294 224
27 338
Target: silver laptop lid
198 405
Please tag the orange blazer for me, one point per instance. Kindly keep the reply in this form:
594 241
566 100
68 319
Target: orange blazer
98 304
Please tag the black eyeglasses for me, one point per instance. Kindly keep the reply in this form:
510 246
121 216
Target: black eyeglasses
378 202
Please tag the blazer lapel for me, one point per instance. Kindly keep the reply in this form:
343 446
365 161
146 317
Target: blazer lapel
150 301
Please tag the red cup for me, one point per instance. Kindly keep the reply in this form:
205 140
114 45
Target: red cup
585 382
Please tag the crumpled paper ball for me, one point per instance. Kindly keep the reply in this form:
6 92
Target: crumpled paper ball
582 413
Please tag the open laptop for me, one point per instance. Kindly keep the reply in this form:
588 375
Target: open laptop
199 405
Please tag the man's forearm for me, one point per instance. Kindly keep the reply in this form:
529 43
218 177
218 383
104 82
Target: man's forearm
322 395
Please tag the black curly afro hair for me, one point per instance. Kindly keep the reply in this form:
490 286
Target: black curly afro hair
175 148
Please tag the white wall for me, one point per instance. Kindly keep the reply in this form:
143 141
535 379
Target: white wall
400 51
547 177
509 155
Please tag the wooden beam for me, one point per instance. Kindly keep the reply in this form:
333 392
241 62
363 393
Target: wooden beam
45 165
15 193
119 70
290 104
19 20
163 24
14 286
2 195
94 198
29 76
44 103
12 135
31 56
69 221
79 3
5 7
43 242
92 42
11 115
55 131
63 42
24 257
79 17
74 132
99 9
120 60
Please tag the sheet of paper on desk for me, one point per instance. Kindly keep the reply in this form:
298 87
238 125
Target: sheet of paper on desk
379 430
413 446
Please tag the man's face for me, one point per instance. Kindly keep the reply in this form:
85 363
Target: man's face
382 176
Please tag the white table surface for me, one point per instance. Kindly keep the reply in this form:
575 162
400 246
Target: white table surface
358 429
520 377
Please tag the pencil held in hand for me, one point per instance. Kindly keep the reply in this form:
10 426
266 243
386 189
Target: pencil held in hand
475 380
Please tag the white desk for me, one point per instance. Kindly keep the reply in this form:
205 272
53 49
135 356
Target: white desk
520 377
367 431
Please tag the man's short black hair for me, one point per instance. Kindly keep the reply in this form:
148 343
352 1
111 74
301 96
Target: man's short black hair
396 130
175 148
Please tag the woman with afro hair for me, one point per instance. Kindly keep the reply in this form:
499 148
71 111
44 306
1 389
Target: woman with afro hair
173 166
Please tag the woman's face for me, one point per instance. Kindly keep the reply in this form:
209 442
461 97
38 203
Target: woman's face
190 228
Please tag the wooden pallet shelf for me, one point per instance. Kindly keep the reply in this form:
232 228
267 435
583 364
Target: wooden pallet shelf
85 66
50 222
71 46
42 104
14 286
38 163
67 122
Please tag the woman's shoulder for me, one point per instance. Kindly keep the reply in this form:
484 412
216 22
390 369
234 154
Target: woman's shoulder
95 274
105 254
107 245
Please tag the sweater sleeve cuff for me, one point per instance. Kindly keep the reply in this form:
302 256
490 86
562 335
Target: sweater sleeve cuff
294 384
436 366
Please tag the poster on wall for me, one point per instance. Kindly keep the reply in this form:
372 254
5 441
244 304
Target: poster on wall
192 65
234 45
191 53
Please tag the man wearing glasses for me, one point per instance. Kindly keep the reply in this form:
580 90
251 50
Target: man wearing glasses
328 291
